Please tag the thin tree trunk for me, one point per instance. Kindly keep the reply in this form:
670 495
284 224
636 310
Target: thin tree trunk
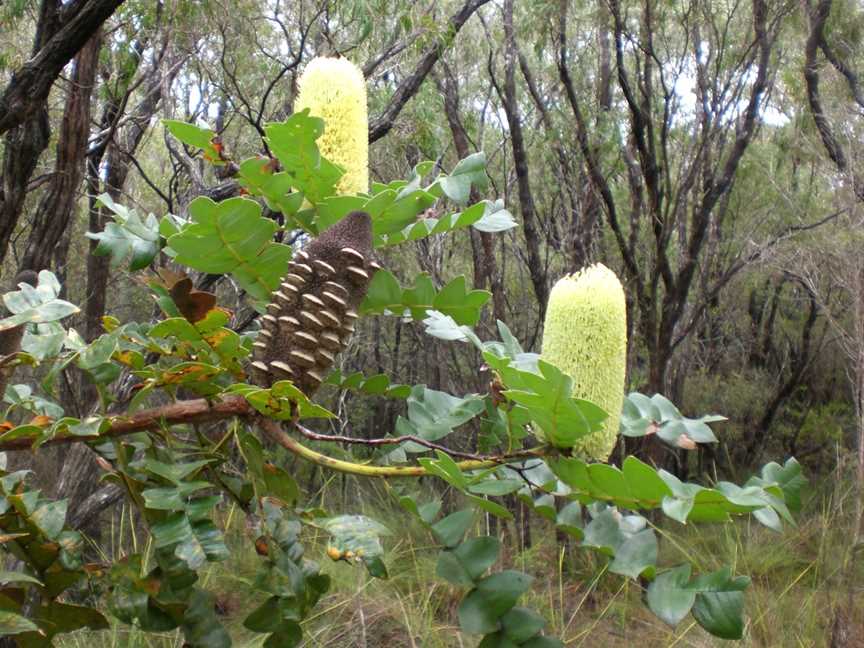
536 266
54 215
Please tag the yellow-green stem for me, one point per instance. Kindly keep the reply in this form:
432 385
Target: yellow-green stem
275 432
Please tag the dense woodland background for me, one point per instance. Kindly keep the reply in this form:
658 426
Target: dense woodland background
709 152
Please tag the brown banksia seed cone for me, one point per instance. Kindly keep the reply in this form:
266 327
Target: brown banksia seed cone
311 316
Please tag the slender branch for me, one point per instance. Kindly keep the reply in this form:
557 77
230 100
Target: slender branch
381 125
333 438
273 430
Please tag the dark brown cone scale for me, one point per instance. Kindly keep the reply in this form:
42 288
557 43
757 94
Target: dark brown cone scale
311 315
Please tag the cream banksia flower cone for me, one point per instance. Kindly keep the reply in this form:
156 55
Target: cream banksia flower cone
334 90
585 336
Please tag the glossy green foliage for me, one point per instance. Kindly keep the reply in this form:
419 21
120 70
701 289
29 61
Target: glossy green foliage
230 237
377 385
716 600
33 530
293 585
489 606
197 137
453 299
177 503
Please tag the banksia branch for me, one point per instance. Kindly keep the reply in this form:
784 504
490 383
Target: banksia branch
585 336
311 317
335 90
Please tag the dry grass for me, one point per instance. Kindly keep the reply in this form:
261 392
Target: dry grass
801 579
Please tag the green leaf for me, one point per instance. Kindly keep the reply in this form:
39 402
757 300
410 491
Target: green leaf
445 327
9 577
173 530
569 520
469 171
279 483
478 554
201 626
393 211
172 498
445 468
642 415
481 610
384 293
668 596
49 517
265 618
293 143
495 218
174 472
454 299
458 302
58 618
489 506
131 239
549 401
477 615
451 569
13 624
37 305
520 624
604 532
636 555
644 480
496 487
449 531
189 133
434 414
232 237
176 327
282 401
788 477
497 640
288 635
721 613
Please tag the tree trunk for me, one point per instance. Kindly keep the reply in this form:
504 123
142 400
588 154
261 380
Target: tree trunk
56 210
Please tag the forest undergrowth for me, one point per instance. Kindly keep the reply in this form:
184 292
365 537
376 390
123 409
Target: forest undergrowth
800 579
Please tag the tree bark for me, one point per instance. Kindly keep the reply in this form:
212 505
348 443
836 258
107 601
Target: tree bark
72 25
54 215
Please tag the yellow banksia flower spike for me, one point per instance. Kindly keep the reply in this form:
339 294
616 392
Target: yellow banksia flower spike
334 90
585 336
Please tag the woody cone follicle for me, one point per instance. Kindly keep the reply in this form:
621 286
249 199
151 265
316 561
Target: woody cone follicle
311 316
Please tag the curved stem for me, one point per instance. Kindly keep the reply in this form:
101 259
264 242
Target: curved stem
277 434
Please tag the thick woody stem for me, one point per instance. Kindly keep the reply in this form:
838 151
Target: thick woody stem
204 411
190 411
